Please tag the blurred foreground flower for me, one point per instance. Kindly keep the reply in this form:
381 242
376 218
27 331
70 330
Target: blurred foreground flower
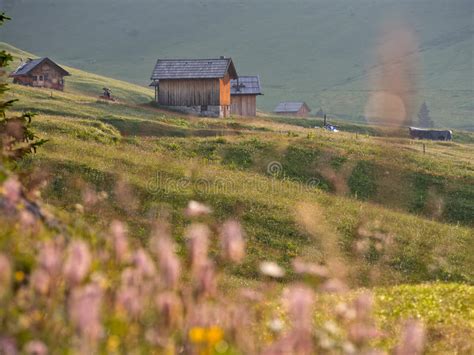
412 340
232 241
302 267
12 191
8 346
198 243
35 347
171 309
196 209
168 262
143 263
118 233
84 310
206 338
5 274
77 263
50 257
272 269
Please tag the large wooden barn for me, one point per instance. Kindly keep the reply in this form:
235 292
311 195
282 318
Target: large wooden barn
202 85
244 92
41 72
299 109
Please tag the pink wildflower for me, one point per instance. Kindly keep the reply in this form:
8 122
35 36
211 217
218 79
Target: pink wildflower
205 280
363 305
232 241
168 262
170 307
40 281
49 257
35 347
143 263
118 232
299 301
129 299
5 273
12 191
28 221
84 311
198 243
8 346
77 263
412 340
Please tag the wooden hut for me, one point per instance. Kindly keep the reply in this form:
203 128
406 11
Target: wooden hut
298 109
243 95
431 134
200 84
41 72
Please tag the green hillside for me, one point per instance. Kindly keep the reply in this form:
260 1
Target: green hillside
318 51
386 216
169 159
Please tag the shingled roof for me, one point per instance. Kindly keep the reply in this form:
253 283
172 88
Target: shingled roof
29 65
193 69
290 107
246 85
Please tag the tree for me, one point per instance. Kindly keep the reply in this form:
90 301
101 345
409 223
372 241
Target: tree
424 118
16 137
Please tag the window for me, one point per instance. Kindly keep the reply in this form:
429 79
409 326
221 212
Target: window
41 78
35 78
46 76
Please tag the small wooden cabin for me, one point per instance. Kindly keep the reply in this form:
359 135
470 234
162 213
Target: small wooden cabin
298 109
41 72
201 84
243 95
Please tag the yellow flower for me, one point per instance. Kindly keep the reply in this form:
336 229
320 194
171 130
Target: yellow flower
19 276
197 334
113 343
214 335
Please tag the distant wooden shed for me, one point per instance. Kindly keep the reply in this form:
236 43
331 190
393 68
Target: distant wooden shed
244 92
41 72
201 84
299 109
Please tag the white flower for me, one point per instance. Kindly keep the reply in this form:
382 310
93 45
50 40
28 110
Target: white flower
196 209
272 269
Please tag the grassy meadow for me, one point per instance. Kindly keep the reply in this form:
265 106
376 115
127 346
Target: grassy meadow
366 202
319 51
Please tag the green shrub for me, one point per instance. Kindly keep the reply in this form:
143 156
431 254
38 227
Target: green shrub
362 180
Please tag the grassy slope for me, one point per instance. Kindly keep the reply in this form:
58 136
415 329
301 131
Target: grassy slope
319 51
86 148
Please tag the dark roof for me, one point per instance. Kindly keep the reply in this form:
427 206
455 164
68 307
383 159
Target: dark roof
429 129
246 85
29 65
193 69
290 107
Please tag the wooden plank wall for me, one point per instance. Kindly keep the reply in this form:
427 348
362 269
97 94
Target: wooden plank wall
303 112
244 105
190 92
55 77
225 90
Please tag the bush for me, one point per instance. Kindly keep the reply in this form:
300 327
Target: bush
362 180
